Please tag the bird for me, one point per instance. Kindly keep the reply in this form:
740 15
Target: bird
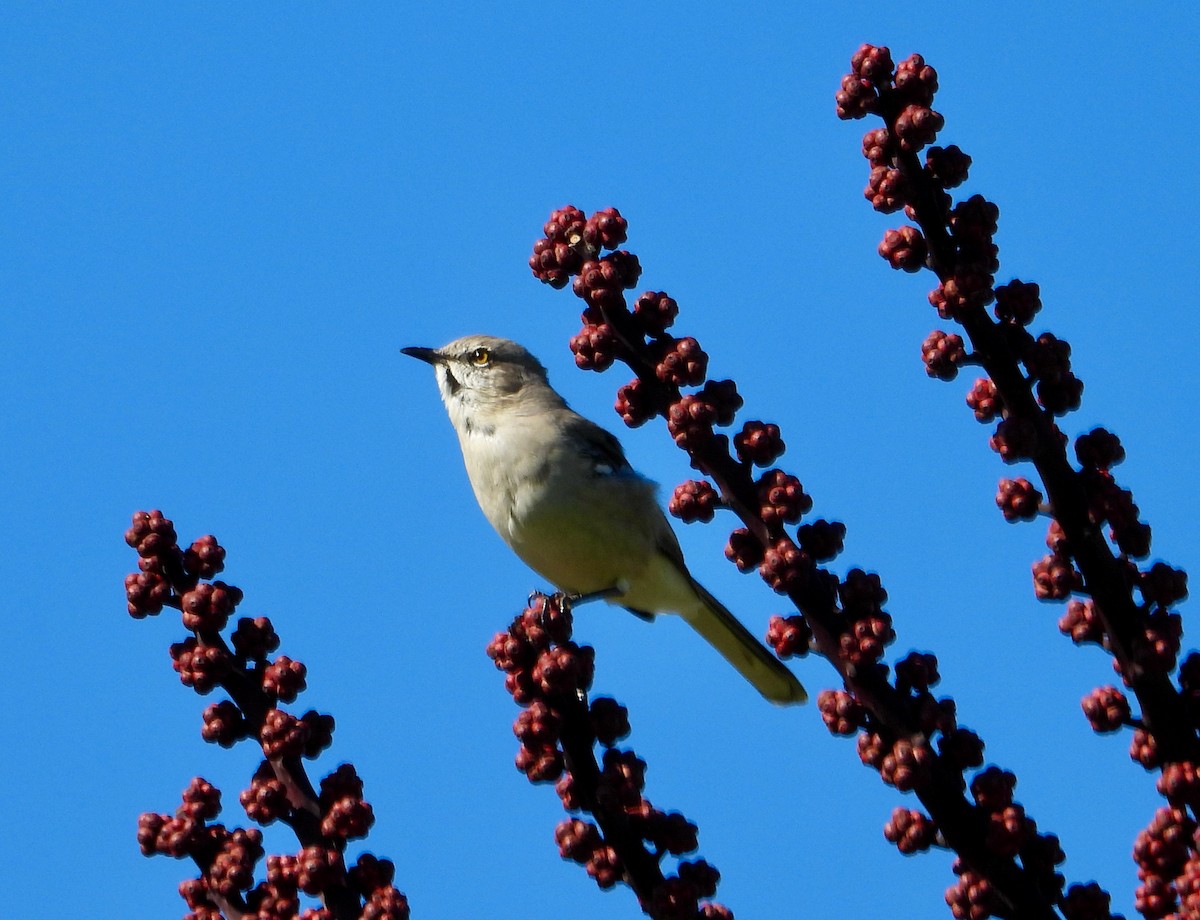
560 492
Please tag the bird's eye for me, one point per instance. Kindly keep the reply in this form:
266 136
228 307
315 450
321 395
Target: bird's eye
481 357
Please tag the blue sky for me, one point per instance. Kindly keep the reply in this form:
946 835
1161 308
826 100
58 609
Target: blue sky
222 221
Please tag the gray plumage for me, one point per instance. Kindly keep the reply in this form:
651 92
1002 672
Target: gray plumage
559 491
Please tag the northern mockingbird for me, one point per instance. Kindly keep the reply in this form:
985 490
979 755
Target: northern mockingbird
559 490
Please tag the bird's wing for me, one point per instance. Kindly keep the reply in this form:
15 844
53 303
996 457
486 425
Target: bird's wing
601 447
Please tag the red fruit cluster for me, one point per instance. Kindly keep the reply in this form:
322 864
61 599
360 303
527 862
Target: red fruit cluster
947 166
972 896
265 799
680 362
694 500
782 499
1081 623
600 282
943 353
170 577
841 712
1017 302
1099 449
759 443
580 842
548 676
655 312
557 256
635 404
1055 578
904 248
984 400
789 636
207 606
595 347
690 421
1018 500
224 724
1015 439
344 814
910 830
1163 852
917 671
785 567
822 540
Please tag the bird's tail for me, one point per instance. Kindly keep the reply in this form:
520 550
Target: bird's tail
737 645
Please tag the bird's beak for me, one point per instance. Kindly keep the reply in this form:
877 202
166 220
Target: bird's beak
428 355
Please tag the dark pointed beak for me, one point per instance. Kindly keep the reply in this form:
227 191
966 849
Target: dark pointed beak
428 355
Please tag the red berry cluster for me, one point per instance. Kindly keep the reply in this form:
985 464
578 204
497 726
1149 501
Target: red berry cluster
280 789
1030 382
694 500
1168 865
843 618
548 675
910 830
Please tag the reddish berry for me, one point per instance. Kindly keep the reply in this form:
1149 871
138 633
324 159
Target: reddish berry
1099 449
744 550
208 606
150 534
681 362
723 397
917 671
694 500
1018 302
877 147
254 638
284 678
971 897
917 126
759 443
690 420
595 347
841 712
984 400
789 636
821 539
872 62
1015 439
204 558
910 830
943 353
887 189
198 665
993 788
781 497
635 404
1018 500
145 593
1054 578
265 800
904 248
916 80
856 98
906 765
655 312
1081 623
606 229
223 724
948 166
785 567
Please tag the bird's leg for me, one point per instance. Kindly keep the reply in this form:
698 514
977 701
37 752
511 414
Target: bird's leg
574 600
